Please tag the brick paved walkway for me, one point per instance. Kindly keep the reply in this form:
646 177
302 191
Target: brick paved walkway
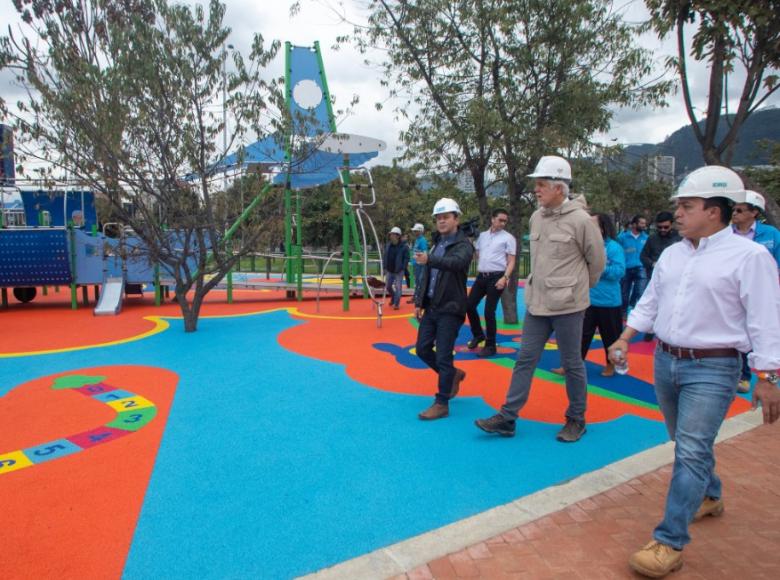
592 539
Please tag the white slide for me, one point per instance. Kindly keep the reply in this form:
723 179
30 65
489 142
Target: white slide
111 297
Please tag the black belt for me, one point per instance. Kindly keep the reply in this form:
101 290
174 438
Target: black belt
501 273
694 353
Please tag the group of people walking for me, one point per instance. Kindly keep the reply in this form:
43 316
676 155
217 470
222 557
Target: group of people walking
711 296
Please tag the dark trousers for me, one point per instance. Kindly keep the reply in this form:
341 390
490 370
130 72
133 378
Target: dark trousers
633 285
484 285
609 322
745 374
440 330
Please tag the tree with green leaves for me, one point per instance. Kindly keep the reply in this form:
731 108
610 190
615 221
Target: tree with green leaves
125 96
740 42
490 86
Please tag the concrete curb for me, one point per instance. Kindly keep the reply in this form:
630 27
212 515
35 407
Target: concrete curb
408 554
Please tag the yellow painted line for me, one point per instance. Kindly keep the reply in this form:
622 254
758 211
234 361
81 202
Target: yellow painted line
159 326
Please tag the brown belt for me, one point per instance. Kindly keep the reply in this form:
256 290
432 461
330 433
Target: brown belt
693 353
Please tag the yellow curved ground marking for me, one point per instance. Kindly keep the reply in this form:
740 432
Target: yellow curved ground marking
159 326
294 311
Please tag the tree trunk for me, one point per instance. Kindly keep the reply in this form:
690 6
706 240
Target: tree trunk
515 209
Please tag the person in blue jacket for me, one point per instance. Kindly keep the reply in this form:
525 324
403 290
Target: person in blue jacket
605 310
633 241
744 222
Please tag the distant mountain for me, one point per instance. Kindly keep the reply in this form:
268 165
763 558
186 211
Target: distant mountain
682 144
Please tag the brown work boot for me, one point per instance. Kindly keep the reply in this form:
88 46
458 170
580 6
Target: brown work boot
609 370
558 371
656 560
709 507
435 411
459 376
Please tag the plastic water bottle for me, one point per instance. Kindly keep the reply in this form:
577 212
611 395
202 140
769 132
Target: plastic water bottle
621 368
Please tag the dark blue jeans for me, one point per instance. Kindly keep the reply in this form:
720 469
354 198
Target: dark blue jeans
484 285
440 330
632 286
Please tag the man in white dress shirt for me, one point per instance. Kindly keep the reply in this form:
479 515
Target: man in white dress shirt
712 296
496 249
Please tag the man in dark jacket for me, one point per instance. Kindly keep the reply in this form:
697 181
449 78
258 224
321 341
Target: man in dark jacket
440 303
665 235
395 259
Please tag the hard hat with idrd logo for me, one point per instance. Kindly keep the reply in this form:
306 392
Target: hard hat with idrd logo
552 167
446 205
712 181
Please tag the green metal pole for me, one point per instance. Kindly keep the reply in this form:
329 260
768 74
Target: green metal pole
299 244
346 268
157 289
289 276
347 218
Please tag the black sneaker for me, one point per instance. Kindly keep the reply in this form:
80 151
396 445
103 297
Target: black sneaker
572 431
474 342
487 351
497 424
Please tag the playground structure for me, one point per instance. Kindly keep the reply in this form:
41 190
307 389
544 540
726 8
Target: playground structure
314 153
60 223
57 243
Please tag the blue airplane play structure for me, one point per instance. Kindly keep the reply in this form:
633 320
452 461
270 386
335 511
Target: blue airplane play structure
59 242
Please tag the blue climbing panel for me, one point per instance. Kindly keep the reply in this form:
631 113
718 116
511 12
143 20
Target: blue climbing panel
60 211
34 257
89 258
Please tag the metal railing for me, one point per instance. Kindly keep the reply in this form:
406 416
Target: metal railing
316 264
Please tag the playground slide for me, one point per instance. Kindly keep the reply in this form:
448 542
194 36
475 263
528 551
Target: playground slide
111 297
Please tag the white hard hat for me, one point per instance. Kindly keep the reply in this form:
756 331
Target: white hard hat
446 205
755 199
712 181
396 230
552 167
418 228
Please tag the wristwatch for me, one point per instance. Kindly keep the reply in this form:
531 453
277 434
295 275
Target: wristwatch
771 377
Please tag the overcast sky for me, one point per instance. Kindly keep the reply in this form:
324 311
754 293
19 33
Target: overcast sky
348 75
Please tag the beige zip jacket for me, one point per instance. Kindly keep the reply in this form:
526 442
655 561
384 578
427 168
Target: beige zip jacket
567 258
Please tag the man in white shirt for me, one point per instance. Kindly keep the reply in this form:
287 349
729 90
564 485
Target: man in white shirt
712 296
496 250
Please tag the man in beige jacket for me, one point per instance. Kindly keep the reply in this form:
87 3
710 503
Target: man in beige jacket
567 258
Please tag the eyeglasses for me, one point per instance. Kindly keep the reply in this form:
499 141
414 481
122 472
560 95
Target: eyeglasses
502 220
741 210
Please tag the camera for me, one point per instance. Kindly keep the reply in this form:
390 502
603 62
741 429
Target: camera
470 228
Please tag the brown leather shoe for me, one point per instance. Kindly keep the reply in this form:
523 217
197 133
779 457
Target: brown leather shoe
709 507
459 376
558 371
656 560
609 370
435 411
